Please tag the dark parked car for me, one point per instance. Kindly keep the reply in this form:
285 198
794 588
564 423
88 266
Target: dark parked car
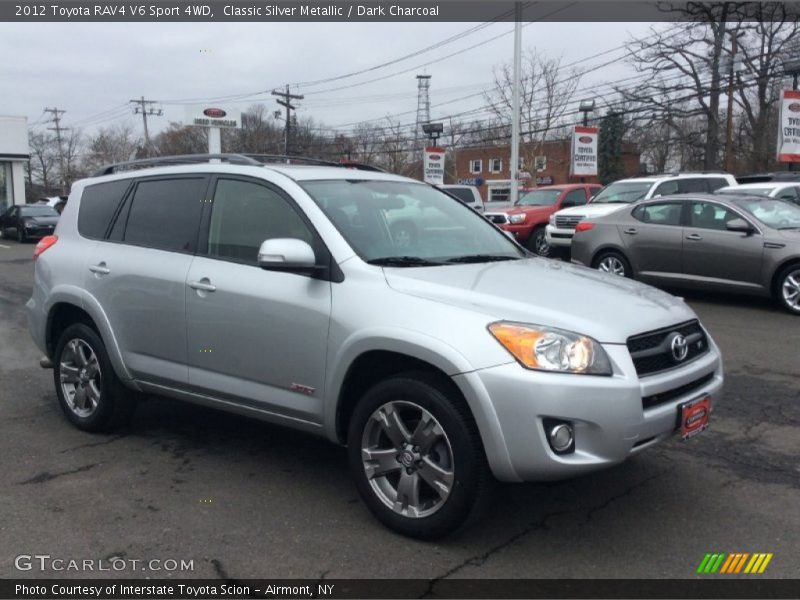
749 244
28 221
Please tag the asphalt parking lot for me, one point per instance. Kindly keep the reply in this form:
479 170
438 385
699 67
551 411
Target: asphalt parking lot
244 499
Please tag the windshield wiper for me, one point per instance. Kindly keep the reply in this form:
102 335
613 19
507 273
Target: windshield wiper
403 261
479 258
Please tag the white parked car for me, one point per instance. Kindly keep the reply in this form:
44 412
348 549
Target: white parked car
614 196
785 190
468 194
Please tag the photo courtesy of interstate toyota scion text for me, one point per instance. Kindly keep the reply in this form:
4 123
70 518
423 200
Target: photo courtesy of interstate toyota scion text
444 358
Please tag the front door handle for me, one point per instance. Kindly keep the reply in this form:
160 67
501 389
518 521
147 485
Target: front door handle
100 269
203 285
694 237
630 231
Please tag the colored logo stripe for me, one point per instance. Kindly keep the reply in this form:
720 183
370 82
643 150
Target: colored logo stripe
733 563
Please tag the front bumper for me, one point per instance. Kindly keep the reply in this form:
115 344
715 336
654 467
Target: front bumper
559 237
607 413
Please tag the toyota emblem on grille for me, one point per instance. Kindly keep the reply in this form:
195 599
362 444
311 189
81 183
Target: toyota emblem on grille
679 347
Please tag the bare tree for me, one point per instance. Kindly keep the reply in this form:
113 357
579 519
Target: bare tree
180 139
44 159
366 140
111 144
395 148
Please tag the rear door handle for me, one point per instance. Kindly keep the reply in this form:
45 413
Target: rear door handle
100 269
694 237
204 285
630 231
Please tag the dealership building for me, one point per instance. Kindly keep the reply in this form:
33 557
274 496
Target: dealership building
547 163
14 155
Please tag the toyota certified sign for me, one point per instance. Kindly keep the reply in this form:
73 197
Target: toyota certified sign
213 116
584 151
789 132
433 165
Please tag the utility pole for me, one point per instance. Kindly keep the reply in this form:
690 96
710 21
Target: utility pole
56 120
285 100
514 166
729 121
142 107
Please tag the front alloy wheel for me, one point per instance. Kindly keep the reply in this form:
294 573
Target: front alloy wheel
790 289
407 459
416 455
538 242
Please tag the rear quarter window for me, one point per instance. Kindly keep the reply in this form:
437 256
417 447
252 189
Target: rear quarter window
462 194
98 204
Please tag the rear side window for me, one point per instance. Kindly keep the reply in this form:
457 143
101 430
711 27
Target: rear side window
165 214
690 185
668 213
714 183
98 204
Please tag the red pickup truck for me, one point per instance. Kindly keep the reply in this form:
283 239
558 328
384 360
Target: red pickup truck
528 217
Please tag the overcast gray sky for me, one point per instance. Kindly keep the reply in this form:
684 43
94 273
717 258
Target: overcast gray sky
92 70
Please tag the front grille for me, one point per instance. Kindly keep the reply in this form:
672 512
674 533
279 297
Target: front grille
652 353
568 221
497 218
656 399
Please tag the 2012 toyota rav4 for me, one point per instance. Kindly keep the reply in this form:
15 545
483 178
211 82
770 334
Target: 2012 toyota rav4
278 291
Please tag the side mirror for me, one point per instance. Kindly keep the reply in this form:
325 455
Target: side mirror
286 254
739 225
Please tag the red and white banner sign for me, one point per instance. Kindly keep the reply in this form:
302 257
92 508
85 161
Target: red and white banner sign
433 166
584 151
789 123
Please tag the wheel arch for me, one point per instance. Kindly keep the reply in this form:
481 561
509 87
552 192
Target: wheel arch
789 262
607 248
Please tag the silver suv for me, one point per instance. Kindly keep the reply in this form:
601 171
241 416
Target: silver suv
279 292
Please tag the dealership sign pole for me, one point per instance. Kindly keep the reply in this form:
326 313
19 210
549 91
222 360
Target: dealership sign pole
789 133
214 119
433 165
584 151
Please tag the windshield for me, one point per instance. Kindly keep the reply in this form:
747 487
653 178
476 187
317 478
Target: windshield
732 191
38 211
540 198
622 192
408 224
774 213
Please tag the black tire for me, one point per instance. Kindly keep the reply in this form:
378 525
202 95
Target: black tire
115 404
610 256
471 479
537 242
21 237
784 285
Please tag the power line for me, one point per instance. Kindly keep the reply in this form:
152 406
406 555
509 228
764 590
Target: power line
285 100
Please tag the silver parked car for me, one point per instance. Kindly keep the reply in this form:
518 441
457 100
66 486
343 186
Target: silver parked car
729 242
279 292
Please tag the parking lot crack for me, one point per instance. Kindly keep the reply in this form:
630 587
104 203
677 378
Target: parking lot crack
46 476
627 492
110 440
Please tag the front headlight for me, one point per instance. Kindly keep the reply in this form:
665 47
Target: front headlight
549 349
516 219
552 220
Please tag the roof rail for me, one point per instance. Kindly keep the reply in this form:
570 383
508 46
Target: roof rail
181 159
289 159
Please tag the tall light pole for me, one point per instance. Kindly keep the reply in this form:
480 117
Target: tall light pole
514 166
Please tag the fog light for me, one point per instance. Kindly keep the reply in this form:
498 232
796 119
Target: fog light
560 436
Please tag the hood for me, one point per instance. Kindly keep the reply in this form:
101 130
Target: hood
528 210
592 210
540 291
42 220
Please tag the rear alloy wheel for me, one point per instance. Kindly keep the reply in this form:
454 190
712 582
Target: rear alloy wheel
21 238
789 289
417 457
90 394
537 243
614 263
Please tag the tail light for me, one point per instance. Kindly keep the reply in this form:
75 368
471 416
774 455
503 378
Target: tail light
44 244
583 226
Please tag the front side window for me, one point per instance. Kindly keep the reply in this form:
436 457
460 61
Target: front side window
244 214
708 215
165 214
475 166
409 222
666 213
